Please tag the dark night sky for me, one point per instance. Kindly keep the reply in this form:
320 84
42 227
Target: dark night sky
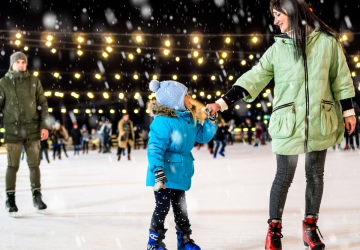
121 19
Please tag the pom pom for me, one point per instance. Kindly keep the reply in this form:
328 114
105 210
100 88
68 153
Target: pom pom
154 85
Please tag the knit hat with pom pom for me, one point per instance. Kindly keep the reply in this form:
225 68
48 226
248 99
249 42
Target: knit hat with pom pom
169 93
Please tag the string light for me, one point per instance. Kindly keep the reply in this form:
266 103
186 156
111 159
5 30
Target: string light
174 77
98 76
255 40
218 93
121 96
117 77
258 105
138 50
269 104
228 40
208 96
136 77
100 111
213 78
166 52
80 53
49 38
150 97
167 43
75 95
59 94
221 61
18 35
224 54
147 111
265 95
344 38
193 96
268 91
56 74
53 51
112 111
109 49
90 95
200 61
17 42
26 48
87 111
353 74
154 77
358 65
47 93
196 54
237 106
48 43
231 78
131 56
243 62
105 55
50 110
124 111
196 39
202 93
75 111
194 77
136 111
109 40
251 57
36 73
80 39
137 95
248 106
356 59
106 95
138 39
177 59
63 110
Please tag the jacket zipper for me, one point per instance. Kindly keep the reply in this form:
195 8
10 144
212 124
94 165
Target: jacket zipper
307 102
326 102
284 106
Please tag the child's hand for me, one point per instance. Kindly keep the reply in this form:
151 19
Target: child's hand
160 179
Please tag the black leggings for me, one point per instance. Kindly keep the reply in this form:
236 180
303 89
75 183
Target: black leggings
85 146
162 200
121 149
57 148
286 166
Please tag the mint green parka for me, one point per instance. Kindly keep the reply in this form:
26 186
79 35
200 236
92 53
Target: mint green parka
307 114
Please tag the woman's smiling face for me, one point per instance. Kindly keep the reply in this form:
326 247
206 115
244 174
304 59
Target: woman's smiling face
281 20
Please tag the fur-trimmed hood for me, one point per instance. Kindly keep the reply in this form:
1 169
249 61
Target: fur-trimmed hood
156 109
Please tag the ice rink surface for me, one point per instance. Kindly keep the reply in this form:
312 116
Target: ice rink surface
96 202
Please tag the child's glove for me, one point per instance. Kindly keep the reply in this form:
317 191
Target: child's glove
212 118
160 179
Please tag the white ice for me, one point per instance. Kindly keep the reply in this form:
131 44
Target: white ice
96 202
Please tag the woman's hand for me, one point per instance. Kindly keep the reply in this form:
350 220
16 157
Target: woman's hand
215 107
350 123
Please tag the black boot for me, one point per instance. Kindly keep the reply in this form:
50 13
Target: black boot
38 203
10 204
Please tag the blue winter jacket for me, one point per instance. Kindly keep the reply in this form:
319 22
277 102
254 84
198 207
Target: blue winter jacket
172 136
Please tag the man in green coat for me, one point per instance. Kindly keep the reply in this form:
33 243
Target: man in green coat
24 110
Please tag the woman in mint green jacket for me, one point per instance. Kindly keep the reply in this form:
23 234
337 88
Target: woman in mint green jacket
313 92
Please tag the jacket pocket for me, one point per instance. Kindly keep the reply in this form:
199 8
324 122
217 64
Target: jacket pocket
174 169
329 120
282 121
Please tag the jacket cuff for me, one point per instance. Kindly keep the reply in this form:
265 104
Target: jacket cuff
222 104
348 113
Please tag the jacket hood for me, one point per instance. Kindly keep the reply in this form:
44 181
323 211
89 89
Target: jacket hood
14 73
156 109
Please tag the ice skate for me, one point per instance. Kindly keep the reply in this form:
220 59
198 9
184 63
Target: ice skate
273 237
156 239
38 203
183 239
129 157
10 204
222 153
310 236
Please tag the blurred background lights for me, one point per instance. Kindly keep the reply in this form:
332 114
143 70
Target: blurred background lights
200 61
237 106
98 76
124 111
224 54
106 95
56 74
193 96
109 49
248 106
243 62
49 38
196 39
131 56
80 39
48 43
251 57
177 59
174 77
109 40
77 75
138 50
47 93
167 43
218 93
356 59
227 40
90 95
105 55
213 78
231 78
137 95
196 54
138 39
194 77
75 111
53 51
100 111
17 42
268 104
255 39
202 93
136 111
112 111
258 105
166 52
18 35
63 110
26 48
36 73
87 111
117 77
221 61
136 77
50 110
208 96
79 52
121 96
154 77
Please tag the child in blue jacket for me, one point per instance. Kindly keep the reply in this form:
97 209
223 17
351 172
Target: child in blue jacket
173 134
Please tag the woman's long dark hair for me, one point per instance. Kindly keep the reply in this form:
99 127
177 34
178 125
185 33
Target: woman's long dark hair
301 14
